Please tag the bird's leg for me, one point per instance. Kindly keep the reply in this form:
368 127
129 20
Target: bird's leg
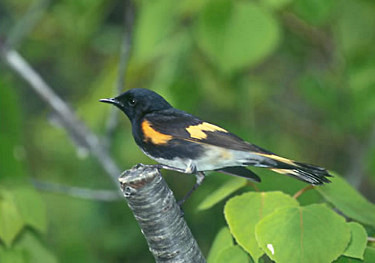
190 168
200 178
166 167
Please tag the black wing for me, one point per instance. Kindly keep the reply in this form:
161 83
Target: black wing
182 125
240 171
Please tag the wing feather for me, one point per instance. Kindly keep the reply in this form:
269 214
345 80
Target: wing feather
184 126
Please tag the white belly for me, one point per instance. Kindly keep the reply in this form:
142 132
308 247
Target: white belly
215 158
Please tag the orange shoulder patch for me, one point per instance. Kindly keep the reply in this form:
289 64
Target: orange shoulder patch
152 135
198 131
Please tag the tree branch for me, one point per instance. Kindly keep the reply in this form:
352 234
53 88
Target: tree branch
78 192
307 31
68 119
159 216
303 190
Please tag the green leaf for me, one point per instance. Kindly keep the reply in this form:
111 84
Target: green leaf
223 240
154 22
344 259
243 212
35 251
226 189
369 257
311 234
345 198
11 221
233 255
236 34
12 256
31 207
358 242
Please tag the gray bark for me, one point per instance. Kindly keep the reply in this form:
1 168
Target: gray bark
159 216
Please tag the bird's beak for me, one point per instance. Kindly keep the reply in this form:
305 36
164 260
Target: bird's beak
113 101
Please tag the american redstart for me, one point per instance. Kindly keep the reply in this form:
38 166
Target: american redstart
182 142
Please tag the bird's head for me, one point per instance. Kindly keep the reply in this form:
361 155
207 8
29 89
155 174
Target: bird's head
135 103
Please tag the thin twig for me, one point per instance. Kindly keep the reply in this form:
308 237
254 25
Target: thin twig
122 68
309 32
253 185
67 117
78 192
371 239
303 190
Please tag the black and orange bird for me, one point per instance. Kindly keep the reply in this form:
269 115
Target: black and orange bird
182 142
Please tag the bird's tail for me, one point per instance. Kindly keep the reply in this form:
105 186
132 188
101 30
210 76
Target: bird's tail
305 172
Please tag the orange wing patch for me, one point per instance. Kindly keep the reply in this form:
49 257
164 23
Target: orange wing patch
285 171
152 135
198 131
278 158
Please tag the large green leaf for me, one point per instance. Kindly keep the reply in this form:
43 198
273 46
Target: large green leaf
223 240
31 207
11 221
358 241
243 212
233 255
226 189
343 196
236 34
311 234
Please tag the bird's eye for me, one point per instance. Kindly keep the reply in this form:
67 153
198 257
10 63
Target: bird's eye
132 101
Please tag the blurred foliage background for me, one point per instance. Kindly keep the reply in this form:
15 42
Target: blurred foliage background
293 76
